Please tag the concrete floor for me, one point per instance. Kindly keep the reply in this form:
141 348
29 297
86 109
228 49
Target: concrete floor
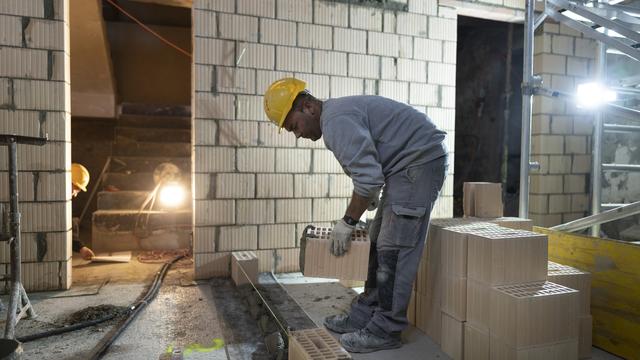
206 320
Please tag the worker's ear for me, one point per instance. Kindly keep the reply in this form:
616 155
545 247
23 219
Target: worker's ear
307 107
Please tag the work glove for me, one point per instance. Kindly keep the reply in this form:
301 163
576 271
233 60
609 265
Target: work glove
374 201
341 237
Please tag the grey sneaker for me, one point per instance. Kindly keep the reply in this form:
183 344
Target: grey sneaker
339 324
363 341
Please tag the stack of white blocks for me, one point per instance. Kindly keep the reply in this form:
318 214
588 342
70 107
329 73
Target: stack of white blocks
35 101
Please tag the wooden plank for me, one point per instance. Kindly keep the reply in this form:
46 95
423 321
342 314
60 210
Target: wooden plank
615 286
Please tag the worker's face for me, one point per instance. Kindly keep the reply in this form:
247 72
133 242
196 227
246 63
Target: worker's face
75 191
304 121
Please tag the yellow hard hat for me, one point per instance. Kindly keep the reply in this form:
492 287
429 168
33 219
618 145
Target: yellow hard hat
79 176
279 98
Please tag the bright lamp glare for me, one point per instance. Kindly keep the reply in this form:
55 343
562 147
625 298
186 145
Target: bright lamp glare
172 195
591 95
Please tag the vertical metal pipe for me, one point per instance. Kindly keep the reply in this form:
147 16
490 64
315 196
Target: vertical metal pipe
527 104
14 218
596 167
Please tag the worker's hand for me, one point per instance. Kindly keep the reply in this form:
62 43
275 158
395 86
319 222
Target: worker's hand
374 200
86 253
341 238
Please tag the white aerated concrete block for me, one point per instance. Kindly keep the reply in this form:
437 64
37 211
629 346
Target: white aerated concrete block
204 239
346 86
238 133
423 94
44 34
31 8
443 29
217 5
214 51
550 64
238 27
278 32
443 74
262 8
257 56
209 265
383 44
328 209
233 238
406 47
255 212
412 70
214 159
45 216
331 13
250 107
364 66
206 132
289 210
297 10
270 136
314 36
276 236
546 184
256 159
293 160
423 7
235 80
39 95
330 62
395 90
317 84
311 185
210 106
230 186
340 186
388 68
274 186
350 40
411 24
293 59
205 23
562 45
23 63
427 49
389 22
364 17
325 162
214 212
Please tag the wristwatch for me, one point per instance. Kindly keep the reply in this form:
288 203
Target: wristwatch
349 220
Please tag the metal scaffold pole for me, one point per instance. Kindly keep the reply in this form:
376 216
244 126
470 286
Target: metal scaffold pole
527 104
598 126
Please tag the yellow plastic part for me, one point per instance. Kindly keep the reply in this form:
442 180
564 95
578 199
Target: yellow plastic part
279 98
615 286
79 176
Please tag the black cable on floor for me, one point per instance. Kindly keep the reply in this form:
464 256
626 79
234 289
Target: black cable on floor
102 347
132 312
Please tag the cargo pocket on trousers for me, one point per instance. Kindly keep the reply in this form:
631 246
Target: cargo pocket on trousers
407 222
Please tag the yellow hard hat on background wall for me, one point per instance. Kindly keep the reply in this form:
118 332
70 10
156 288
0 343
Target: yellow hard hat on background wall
279 98
79 176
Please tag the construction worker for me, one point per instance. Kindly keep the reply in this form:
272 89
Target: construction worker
79 182
382 145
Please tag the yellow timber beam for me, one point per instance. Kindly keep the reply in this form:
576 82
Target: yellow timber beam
615 286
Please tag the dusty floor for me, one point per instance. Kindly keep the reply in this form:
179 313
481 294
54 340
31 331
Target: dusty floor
206 320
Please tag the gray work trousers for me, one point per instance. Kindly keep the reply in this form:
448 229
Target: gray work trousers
397 234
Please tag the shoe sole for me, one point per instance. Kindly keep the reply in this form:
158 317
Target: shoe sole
338 331
364 351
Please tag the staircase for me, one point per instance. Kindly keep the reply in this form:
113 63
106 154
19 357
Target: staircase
142 143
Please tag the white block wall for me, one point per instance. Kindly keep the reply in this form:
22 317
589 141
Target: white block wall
561 133
256 189
35 101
